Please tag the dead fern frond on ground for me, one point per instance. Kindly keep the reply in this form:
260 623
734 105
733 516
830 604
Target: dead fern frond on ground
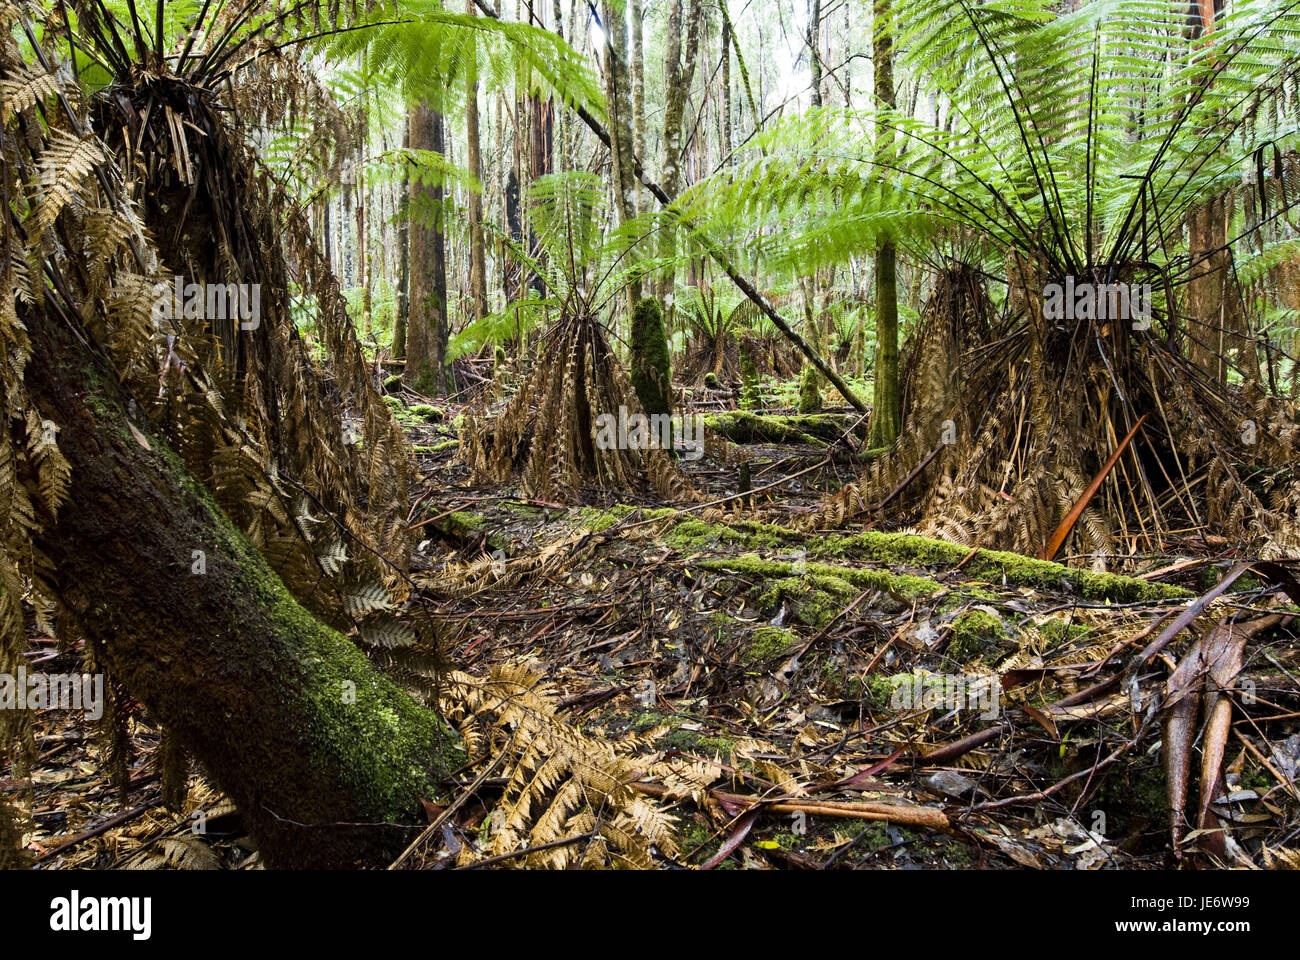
560 784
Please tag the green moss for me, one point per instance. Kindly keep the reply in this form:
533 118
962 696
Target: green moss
1256 777
876 690
996 566
817 599
380 743
711 381
699 843
692 741
750 397
692 535
1056 632
905 587
598 520
383 747
463 523
1134 797
810 394
651 372
427 412
973 633
437 447
767 644
741 426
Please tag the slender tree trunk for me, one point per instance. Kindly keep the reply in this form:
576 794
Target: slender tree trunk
402 297
1213 302
562 161
323 756
814 51
638 96
679 73
363 271
541 129
886 414
619 95
728 131
426 353
477 260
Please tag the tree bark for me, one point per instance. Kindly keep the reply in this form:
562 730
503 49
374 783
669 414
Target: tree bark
638 97
814 51
427 334
618 93
886 413
728 131
474 159
326 759
402 294
679 73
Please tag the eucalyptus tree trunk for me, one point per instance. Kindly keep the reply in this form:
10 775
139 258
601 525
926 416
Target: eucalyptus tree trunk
814 51
886 413
679 73
562 161
638 96
426 334
474 160
728 130
618 93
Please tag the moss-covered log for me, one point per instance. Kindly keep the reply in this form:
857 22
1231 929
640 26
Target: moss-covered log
326 759
741 426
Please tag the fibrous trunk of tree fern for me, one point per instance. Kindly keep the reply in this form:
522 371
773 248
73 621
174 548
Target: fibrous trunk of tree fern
324 757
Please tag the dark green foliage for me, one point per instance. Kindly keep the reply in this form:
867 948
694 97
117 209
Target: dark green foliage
651 364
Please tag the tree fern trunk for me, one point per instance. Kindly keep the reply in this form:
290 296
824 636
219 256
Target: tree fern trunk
325 758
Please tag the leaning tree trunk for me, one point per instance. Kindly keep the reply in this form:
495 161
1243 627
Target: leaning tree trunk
325 758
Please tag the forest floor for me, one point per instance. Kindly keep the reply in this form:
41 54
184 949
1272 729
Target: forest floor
999 703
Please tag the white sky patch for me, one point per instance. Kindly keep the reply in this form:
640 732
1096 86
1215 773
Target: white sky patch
789 54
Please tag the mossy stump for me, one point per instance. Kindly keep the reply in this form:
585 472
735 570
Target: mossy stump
651 364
